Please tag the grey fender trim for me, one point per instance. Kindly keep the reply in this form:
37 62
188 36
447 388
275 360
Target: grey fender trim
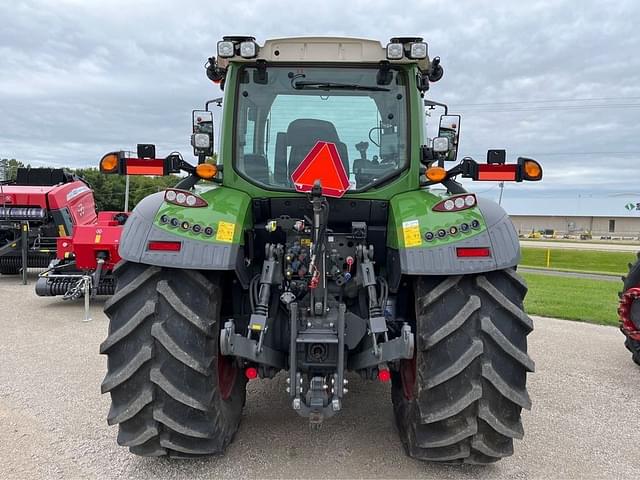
194 254
500 235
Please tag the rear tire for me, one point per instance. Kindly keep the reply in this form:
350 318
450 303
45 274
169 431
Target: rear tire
171 392
459 400
630 281
634 347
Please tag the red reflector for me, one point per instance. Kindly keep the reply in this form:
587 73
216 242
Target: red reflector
137 166
251 373
473 252
164 246
322 163
497 172
384 375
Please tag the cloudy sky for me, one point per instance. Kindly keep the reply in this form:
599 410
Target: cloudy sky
555 80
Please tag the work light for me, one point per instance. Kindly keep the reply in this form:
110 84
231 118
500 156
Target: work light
395 51
201 140
440 144
418 50
248 49
226 49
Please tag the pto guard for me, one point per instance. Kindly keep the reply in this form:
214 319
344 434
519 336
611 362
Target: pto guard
142 227
494 230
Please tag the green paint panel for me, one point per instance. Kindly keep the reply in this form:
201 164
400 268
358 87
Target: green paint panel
412 212
228 213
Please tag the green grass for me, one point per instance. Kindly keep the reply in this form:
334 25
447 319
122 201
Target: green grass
586 300
615 263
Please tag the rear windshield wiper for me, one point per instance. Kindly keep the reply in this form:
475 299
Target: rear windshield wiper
336 86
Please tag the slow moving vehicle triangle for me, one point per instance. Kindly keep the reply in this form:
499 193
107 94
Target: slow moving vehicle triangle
322 163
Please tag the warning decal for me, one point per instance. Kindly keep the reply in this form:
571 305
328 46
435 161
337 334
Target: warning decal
225 231
411 232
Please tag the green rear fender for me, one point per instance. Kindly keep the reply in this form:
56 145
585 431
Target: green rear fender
211 237
426 242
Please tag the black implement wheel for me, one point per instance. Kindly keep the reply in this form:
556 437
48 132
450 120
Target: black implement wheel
172 393
9 270
630 281
10 265
459 399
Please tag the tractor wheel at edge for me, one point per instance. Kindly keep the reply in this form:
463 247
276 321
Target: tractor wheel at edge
460 399
172 393
633 280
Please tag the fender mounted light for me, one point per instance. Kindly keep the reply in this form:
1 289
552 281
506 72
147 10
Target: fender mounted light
470 252
160 246
184 198
456 203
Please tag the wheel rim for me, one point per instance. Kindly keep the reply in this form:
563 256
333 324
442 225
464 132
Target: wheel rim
227 372
408 376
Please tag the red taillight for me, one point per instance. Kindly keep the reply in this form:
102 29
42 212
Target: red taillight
384 375
497 172
140 166
466 252
251 373
164 246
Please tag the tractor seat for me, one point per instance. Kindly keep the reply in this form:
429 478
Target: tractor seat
302 134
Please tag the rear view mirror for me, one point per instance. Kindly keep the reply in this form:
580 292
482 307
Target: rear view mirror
202 137
450 128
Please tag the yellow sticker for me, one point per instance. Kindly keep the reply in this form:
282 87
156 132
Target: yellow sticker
411 232
305 242
98 238
61 231
225 231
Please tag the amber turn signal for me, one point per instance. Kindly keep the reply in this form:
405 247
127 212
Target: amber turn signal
436 174
109 163
206 171
532 170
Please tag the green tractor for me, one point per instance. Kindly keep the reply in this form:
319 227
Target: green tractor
329 237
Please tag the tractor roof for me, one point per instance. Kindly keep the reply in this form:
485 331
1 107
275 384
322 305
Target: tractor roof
321 50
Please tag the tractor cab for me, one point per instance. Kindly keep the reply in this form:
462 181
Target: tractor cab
290 94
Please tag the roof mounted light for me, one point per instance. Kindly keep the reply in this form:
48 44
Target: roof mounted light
418 50
395 51
226 49
248 49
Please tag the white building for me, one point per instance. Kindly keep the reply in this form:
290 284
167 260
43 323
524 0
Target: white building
615 216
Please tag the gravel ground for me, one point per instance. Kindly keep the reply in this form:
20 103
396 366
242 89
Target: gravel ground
52 416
